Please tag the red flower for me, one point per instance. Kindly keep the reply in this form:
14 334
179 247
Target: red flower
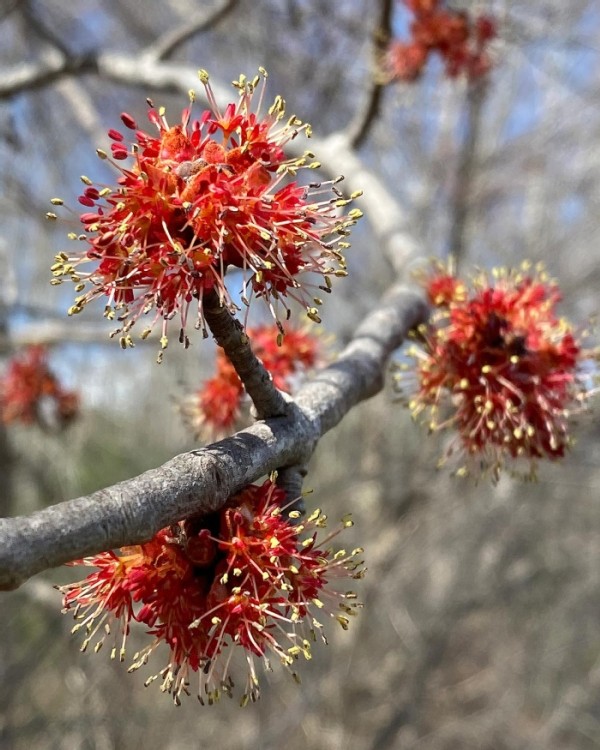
404 61
500 367
215 408
240 577
200 197
30 392
460 40
441 285
285 356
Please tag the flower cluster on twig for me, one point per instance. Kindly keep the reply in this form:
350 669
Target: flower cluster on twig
203 196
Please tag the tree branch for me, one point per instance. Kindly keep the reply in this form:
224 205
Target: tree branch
230 335
49 68
44 33
164 47
201 481
359 128
465 171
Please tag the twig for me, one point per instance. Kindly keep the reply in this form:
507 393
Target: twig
201 481
230 335
465 171
291 479
365 117
165 45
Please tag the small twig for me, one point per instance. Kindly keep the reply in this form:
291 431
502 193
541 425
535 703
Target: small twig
365 117
465 171
230 335
165 45
267 400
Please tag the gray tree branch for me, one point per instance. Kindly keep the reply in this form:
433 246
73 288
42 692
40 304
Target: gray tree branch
366 115
201 481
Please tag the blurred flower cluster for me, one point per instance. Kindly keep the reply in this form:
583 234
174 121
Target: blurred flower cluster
31 393
460 39
498 366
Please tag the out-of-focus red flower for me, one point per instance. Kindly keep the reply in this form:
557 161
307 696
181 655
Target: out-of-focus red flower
456 36
31 393
243 577
200 197
215 408
285 356
441 285
500 368
404 61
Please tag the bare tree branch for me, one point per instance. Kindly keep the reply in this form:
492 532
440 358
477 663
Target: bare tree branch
201 481
466 170
42 31
51 67
164 47
359 128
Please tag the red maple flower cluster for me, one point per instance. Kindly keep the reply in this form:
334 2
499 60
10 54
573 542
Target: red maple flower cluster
460 40
215 408
498 366
245 576
31 393
202 196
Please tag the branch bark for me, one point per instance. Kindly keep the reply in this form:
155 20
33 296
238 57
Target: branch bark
201 481
230 335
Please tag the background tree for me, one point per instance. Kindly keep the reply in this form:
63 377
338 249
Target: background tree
480 627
